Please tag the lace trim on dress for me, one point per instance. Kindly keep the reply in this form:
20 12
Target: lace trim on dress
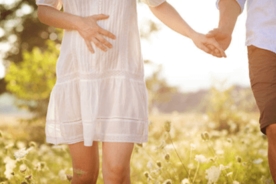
96 76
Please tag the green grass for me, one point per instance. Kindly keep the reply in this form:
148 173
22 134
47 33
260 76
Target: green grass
181 147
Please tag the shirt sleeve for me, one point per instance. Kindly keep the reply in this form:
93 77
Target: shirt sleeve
57 4
153 3
240 2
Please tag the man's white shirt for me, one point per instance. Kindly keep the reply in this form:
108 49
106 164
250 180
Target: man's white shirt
260 23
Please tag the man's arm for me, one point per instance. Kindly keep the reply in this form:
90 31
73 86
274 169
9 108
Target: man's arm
229 12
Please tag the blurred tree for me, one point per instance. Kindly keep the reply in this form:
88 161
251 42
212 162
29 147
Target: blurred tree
159 91
21 31
32 80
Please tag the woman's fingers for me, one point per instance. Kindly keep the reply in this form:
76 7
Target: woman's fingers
99 44
100 17
88 44
107 33
103 41
216 48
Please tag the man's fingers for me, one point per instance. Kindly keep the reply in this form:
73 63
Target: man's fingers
212 33
90 48
107 33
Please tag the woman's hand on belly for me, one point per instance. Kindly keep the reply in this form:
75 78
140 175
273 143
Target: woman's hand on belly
92 32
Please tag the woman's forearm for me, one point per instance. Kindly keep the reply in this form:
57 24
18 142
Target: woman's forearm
171 18
53 17
86 26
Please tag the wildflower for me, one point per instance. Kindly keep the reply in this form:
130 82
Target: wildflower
200 158
238 159
205 136
159 164
167 157
69 177
9 145
23 168
167 126
149 165
212 174
10 165
62 175
229 174
222 167
213 159
20 144
32 144
229 140
146 174
219 152
21 153
185 181
192 146
28 177
258 161
168 181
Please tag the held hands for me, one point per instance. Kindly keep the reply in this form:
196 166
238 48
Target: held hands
222 37
208 45
92 32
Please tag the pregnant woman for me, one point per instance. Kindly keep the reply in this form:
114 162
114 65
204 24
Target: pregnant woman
100 93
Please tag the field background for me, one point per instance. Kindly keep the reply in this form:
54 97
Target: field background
221 145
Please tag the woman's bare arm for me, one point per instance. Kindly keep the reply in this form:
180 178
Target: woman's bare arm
170 17
86 26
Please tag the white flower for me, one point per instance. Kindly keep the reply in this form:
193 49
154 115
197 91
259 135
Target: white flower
222 167
22 153
192 146
23 168
150 165
219 152
10 165
62 175
200 158
185 181
212 174
258 161
236 182
229 174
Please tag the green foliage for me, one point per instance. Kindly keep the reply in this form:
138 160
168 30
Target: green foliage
32 80
159 90
226 108
22 31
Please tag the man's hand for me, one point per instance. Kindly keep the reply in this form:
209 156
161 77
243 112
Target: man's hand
208 45
223 38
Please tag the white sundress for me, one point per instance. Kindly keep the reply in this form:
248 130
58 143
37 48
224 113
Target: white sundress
101 96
